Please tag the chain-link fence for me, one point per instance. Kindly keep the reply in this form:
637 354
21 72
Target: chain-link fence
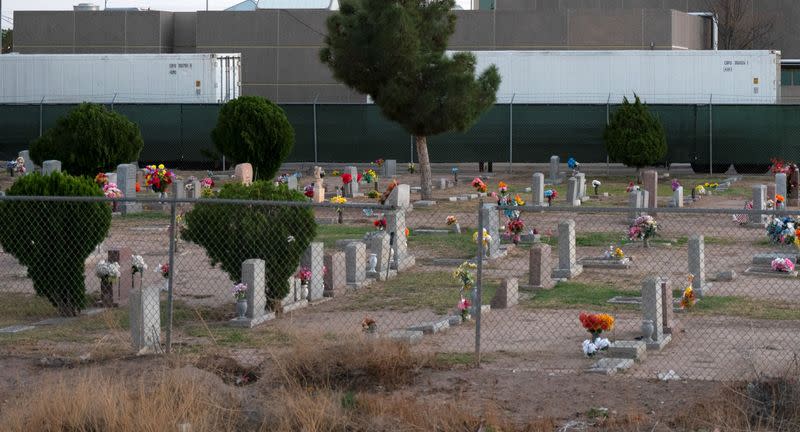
246 277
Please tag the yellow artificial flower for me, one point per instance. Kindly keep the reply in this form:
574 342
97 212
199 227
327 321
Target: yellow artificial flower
338 199
161 166
619 253
518 200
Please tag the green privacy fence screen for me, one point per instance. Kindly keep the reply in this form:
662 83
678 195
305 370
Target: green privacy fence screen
180 133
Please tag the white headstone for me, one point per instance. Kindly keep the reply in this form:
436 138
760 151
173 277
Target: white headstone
400 196
572 192
697 265
379 245
355 262
291 182
314 260
652 309
126 182
389 168
537 190
581 177
759 203
491 223
780 185
51 166
567 263
145 319
112 178
677 197
396 223
351 189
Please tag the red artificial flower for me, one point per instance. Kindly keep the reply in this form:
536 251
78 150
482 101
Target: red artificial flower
138 187
359 177
380 223
347 178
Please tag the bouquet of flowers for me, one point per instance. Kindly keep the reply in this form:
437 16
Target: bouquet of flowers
515 227
451 220
380 224
368 325
614 252
309 191
370 175
687 299
137 264
389 188
486 237
784 265
573 164
779 200
783 230
479 185
378 162
778 166
502 187
336 173
643 228
373 194
339 200
347 178
164 270
463 275
283 178
19 166
631 187
463 307
304 274
596 324
158 178
596 185
675 184
110 190
700 190
101 179
550 194
412 168
107 271
239 291
711 186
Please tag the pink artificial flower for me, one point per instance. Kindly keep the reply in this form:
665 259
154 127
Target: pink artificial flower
463 304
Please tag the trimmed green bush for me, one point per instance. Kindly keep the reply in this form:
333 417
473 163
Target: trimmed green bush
233 233
53 239
253 129
88 140
634 136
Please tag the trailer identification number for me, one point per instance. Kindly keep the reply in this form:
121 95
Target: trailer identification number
174 66
729 64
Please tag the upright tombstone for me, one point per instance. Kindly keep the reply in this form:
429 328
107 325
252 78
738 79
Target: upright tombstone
581 177
254 276
379 245
634 204
669 324
145 319
555 164
51 166
336 276
351 189
794 193
677 197
442 183
195 188
697 265
26 156
771 191
644 200
537 190
652 310
572 192
389 168
491 223
780 185
507 295
400 197
244 173
291 182
567 263
126 182
179 188
650 178
319 189
122 255
759 203
112 178
539 267
355 263
401 259
313 259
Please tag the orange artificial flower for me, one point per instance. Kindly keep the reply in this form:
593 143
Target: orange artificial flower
779 198
502 185
138 188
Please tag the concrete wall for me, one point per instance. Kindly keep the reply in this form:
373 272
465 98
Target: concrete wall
90 32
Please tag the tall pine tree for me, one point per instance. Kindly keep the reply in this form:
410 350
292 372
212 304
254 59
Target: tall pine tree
394 51
634 136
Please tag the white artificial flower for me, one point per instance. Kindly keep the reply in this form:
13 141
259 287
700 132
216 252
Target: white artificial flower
595 183
602 343
137 264
106 270
589 348
289 239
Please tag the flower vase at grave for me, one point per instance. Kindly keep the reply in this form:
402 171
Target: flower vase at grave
340 217
304 289
457 228
241 308
373 261
647 330
516 239
595 335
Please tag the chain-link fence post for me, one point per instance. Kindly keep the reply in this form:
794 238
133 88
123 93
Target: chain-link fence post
478 283
173 227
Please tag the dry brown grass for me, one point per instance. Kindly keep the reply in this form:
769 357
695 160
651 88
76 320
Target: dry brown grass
91 401
350 363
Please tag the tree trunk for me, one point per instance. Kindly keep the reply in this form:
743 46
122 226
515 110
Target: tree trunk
424 167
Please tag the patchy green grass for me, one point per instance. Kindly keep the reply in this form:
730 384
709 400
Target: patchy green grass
451 245
83 329
328 234
577 295
17 308
225 336
413 291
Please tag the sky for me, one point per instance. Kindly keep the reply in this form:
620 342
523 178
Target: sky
9 6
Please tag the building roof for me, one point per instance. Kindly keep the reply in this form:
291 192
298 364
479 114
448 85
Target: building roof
299 4
246 5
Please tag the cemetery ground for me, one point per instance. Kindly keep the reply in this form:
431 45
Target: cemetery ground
314 369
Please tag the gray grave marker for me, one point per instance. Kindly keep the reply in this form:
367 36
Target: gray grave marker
572 192
539 267
759 203
355 257
652 310
537 190
555 163
697 265
51 166
145 319
254 276
567 266
314 260
126 176
336 277
507 295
